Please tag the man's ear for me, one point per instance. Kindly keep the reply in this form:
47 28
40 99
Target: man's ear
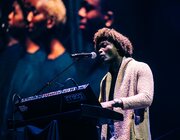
109 18
50 22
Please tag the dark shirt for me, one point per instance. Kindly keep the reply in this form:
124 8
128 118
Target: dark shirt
56 72
8 61
26 79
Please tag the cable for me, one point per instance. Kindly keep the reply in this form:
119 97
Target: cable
75 83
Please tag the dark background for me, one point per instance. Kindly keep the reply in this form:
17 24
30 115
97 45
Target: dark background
153 26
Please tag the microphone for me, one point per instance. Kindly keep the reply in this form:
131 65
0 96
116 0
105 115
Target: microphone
4 27
92 55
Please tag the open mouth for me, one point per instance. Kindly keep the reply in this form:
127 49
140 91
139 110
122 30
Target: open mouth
81 26
102 57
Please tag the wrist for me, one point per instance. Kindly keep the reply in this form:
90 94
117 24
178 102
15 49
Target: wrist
117 103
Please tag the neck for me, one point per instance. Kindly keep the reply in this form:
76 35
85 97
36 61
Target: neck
56 49
31 47
115 65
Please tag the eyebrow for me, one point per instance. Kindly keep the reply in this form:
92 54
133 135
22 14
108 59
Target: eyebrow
87 5
105 42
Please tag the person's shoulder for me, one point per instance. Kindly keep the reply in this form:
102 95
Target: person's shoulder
137 62
139 65
65 54
64 58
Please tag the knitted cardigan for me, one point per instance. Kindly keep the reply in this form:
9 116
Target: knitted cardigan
135 87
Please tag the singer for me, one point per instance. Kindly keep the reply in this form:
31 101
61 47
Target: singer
127 88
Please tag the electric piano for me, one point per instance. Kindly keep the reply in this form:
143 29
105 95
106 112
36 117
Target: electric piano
71 103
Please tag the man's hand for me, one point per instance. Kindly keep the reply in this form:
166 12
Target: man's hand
107 104
112 103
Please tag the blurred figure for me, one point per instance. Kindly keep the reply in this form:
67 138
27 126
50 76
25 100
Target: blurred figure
46 21
127 88
25 79
26 74
9 57
93 14
13 50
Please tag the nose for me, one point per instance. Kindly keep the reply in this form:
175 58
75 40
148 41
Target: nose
82 12
11 14
30 16
100 50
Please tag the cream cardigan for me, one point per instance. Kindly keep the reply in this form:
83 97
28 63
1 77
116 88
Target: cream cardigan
135 87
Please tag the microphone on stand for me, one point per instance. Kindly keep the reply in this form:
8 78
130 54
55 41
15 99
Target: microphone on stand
91 55
4 27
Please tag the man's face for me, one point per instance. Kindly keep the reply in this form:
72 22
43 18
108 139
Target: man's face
15 17
107 51
36 18
91 17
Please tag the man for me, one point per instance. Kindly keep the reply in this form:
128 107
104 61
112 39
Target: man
12 52
9 57
93 14
45 55
46 20
127 87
